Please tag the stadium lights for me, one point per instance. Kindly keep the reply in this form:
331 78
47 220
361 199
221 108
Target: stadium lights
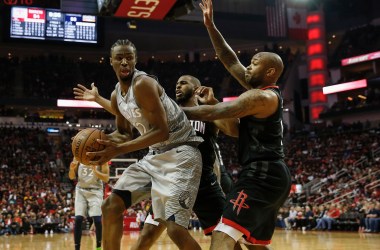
132 25
77 104
361 58
345 86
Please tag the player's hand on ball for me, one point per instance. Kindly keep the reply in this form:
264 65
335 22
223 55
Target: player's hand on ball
83 93
98 158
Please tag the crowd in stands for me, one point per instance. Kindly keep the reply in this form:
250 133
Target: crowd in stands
342 164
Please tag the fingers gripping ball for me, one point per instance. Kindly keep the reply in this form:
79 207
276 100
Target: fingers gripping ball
85 141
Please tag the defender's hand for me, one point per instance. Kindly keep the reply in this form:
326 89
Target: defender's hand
207 10
205 95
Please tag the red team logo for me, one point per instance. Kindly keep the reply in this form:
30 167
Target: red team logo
239 203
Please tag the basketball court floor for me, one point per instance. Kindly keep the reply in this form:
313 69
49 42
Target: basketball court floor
283 240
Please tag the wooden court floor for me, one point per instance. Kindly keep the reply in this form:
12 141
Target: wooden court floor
282 240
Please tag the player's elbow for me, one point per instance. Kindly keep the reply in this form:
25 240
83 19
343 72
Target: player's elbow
163 134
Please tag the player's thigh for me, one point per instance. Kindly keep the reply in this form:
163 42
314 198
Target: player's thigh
95 203
80 203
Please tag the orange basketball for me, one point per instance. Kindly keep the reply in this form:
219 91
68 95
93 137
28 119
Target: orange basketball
85 141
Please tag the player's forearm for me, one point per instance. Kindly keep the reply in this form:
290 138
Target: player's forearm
206 112
72 174
222 110
105 103
225 53
152 136
102 176
73 169
229 126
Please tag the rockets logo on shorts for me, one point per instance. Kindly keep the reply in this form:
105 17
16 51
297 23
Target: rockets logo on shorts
239 203
185 199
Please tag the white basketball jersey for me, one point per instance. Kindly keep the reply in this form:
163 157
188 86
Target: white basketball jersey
180 129
87 178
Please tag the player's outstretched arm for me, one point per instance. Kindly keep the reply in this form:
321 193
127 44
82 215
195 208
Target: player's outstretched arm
83 93
254 102
225 53
229 126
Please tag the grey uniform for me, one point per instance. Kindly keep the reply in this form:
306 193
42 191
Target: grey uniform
173 166
88 193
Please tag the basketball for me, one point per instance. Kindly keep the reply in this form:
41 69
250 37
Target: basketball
85 141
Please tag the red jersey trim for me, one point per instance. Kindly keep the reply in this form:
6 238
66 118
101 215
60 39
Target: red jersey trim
267 87
208 230
245 232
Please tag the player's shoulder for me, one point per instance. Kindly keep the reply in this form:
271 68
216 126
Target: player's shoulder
144 82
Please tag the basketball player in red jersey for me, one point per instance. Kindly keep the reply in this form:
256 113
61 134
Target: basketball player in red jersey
264 181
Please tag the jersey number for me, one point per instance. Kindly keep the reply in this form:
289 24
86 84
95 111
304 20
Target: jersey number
87 172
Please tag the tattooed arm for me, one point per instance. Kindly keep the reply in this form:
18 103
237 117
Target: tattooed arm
256 102
225 53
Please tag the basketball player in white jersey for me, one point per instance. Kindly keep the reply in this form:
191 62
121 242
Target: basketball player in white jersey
88 197
173 164
208 193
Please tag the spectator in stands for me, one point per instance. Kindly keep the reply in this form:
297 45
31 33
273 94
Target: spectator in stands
330 217
289 221
2 225
49 224
370 219
194 221
319 215
25 225
282 214
305 220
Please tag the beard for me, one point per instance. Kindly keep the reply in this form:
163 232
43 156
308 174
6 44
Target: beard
253 82
184 97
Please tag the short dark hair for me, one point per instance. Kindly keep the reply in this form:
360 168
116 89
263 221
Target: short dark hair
124 42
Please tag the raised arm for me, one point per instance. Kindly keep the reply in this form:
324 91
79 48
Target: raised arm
225 53
73 169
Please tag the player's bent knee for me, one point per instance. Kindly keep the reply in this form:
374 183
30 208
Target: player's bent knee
112 208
